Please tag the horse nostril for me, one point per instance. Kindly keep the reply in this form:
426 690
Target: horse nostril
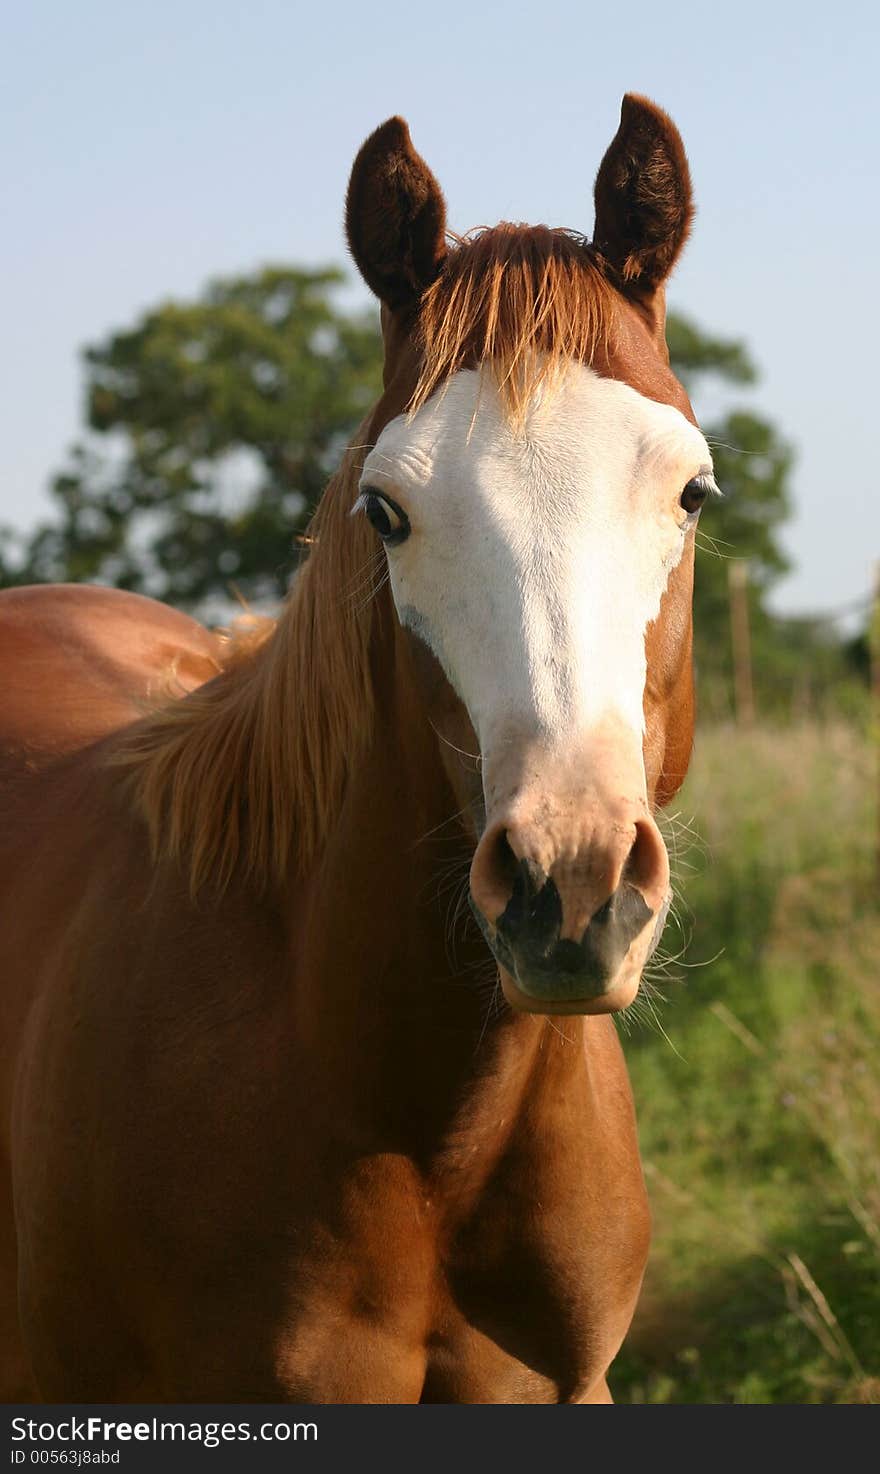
505 863
493 873
647 865
533 915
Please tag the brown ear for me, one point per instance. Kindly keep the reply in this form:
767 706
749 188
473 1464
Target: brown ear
395 217
643 197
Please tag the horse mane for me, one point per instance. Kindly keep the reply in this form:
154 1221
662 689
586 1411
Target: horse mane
246 773
524 300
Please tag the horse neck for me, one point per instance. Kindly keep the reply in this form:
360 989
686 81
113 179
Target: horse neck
418 1036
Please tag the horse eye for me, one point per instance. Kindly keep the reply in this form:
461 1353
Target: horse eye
389 520
695 494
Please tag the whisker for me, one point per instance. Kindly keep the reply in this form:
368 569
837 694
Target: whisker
736 449
365 574
377 589
442 825
474 757
711 545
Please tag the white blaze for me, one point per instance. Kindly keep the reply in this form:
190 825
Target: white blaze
538 557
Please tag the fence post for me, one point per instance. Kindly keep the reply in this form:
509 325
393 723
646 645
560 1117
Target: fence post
874 650
740 636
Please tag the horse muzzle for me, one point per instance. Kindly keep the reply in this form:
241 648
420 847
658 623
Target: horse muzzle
571 897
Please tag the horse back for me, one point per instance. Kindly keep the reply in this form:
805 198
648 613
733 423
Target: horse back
76 663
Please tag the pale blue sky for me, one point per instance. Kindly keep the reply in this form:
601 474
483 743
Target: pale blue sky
150 147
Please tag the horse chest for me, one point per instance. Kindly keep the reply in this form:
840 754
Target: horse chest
520 1304
527 1314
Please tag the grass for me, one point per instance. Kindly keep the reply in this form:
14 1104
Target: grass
758 1084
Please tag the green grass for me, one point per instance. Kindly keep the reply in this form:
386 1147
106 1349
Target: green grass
757 1081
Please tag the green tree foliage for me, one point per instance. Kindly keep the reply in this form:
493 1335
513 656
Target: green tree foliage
694 352
215 426
752 467
10 567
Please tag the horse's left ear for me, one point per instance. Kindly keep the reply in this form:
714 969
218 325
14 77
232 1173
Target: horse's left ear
395 217
644 205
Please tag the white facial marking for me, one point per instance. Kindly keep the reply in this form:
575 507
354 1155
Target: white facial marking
537 558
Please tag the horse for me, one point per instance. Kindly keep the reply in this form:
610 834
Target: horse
312 936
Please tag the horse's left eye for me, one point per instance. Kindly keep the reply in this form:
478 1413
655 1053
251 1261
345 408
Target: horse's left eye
389 520
695 494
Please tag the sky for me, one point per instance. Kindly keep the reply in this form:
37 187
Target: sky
150 148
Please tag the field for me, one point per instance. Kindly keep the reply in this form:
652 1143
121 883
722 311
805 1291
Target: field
757 1080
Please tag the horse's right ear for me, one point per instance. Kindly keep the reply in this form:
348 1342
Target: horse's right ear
395 217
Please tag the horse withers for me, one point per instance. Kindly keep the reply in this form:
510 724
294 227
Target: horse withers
282 1123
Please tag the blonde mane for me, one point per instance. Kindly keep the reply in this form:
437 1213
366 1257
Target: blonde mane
247 772
523 300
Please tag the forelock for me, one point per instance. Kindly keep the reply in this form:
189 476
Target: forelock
521 300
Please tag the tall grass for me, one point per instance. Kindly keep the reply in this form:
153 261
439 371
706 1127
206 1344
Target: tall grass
758 1088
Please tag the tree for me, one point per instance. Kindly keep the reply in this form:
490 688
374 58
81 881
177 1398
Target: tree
752 468
10 566
215 426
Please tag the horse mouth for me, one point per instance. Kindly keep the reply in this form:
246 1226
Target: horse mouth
546 974
612 999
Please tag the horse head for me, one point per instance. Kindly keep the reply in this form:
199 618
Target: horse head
536 475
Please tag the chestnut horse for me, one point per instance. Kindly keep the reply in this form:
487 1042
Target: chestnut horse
272 1134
